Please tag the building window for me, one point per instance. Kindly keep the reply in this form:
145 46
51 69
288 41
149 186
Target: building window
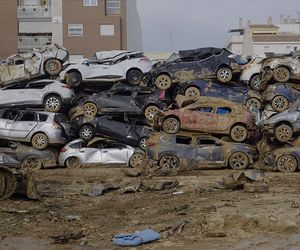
113 7
75 29
30 2
107 30
90 2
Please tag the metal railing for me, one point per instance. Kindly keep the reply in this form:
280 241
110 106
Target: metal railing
34 11
30 42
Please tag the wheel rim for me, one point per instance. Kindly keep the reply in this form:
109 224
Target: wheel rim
134 76
73 78
283 133
31 164
224 75
256 82
239 161
136 160
192 92
90 110
150 112
73 162
52 104
287 164
169 161
53 66
163 82
253 102
86 133
239 133
280 103
143 143
281 74
170 125
40 141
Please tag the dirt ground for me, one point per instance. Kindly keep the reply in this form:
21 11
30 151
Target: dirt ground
202 217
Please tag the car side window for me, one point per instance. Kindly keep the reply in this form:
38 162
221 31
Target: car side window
204 109
27 117
43 117
223 111
9 114
202 141
183 140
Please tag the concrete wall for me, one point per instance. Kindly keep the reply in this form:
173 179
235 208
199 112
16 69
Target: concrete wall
277 48
57 28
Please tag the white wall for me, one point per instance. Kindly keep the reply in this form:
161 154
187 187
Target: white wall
57 29
278 48
35 27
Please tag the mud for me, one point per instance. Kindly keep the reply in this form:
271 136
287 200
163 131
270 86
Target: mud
192 214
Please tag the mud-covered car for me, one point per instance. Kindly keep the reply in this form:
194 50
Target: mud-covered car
198 151
98 151
50 94
130 100
47 61
281 96
285 159
212 115
283 125
108 66
231 92
281 68
131 131
197 64
251 73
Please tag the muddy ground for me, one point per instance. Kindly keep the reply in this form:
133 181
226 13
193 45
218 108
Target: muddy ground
202 217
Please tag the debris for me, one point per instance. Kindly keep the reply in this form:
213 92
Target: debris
99 189
216 234
259 187
132 187
170 230
132 172
73 217
137 238
294 205
67 236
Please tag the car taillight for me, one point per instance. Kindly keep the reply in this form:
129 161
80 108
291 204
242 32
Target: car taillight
62 150
56 125
144 60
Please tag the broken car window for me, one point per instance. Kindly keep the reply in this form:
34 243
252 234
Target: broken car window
28 117
9 114
183 140
206 141
223 111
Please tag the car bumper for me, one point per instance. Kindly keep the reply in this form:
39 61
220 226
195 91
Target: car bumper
56 136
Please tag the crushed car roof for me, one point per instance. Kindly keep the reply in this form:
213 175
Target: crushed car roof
200 53
111 55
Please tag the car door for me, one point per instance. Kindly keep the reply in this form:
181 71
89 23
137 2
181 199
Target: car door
7 117
224 117
23 125
112 126
91 154
183 70
16 69
95 70
114 153
205 66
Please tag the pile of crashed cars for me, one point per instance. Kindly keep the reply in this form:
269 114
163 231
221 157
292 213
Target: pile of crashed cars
204 108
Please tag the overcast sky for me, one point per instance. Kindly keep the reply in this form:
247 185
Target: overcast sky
170 25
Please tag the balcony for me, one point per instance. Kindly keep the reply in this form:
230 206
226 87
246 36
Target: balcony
35 12
30 42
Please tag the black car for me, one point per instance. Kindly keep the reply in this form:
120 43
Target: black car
196 64
133 132
125 99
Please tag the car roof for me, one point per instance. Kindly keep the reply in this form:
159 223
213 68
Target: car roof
114 54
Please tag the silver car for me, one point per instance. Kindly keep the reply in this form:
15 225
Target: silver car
49 94
39 128
98 151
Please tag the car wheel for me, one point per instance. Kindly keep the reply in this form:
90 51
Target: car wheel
192 92
255 82
90 110
281 74
150 112
30 164
8 183
73 162
238 161
283 133
171 125
163 82
224 74
239 133
87 133
40 141
53 67
52 103
73 79
287 164
134 76
143 143
136 160
280 103
253 102
169 161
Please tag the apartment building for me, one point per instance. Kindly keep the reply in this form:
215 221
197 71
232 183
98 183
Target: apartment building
82 26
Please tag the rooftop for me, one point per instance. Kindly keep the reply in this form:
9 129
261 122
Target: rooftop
276 38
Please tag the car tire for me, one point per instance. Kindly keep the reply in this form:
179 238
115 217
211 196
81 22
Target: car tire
253 102
224 74
287 164
52 103
136 160
163 82
238 133
255 82
192 92
150 111
31 163
90 110
73 79
40 141
169 161
53 67
171 125
238 161
283 133
281 74
8 183
73 162
280 103
87 132
143 143
134 76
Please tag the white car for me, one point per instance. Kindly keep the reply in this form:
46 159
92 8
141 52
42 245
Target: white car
108 66
98 151
251 73
49 94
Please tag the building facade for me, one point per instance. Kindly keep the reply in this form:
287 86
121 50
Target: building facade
82 26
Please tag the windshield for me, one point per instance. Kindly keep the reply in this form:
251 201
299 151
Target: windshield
172 58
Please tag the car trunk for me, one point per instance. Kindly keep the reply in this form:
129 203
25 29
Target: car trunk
63 121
